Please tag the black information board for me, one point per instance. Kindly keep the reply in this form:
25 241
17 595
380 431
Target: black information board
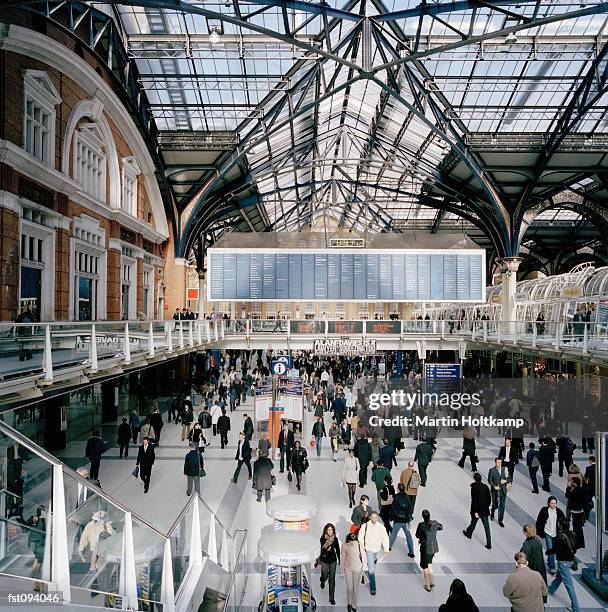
328 275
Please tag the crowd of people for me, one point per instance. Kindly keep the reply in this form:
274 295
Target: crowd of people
335 393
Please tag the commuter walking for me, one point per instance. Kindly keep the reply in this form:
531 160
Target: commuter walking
145 461
533 549
386 455
577 502
353 562
360 514
402 513
299 462
318 433
426 532
156 420
350 474
379 474
546 456
146 431
481 499
93 451
223 427
374 538
216 412
525 589
564 549
285 443
549 517
329 558
533 463
424 455
186 416
204 418
247 427
458 600
135 425
468 448
123 437
243 456
262 476
193 464
508 454
363 452
334 440
387 495
498 479
411 479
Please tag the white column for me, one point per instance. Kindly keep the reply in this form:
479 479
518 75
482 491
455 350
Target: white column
93 349
48 356
167 593
181 334
199 335
169 336
60 559
127 345
151 340
128 576
508 267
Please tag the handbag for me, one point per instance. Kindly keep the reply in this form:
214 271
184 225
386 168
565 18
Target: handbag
135 472
201 469
273 480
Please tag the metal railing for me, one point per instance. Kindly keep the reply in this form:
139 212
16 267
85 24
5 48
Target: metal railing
134 564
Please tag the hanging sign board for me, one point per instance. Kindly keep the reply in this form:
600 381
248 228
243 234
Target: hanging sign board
344 346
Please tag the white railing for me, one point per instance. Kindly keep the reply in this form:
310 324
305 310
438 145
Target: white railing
132 548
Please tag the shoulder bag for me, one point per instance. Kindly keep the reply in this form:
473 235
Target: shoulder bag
201 469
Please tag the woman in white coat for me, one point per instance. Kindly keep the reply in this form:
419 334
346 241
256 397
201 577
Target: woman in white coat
350 475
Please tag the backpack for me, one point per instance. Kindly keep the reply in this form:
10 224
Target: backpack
205 420
414 482
570 446
401 509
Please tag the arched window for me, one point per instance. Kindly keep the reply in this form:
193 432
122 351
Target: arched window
90 161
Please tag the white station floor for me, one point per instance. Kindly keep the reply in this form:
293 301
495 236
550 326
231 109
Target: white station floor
399 577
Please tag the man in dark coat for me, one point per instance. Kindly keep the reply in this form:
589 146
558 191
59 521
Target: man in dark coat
387 455
243 455
145 461
285 443
363 452
498 479
546 456
262 476
123 438
94 449
247 427
192 464
156 420
424 454
508 454
223 427
481 499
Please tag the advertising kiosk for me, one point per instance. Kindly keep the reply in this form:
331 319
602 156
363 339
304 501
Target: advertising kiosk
289 551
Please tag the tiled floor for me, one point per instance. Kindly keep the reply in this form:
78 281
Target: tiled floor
399 578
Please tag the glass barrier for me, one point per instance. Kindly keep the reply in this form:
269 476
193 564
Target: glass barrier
97 568
180 536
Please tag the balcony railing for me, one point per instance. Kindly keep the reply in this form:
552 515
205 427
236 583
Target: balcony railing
59 533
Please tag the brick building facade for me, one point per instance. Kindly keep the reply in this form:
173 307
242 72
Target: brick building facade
83 230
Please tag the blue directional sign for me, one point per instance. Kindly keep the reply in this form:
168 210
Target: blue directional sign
286 359
279 368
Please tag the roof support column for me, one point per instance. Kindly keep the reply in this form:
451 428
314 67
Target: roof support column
508 267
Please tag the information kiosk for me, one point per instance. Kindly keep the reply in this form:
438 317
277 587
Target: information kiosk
289 550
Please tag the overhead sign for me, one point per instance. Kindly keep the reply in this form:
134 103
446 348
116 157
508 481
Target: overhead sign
442 371
192 294
286 359
351 275
345 346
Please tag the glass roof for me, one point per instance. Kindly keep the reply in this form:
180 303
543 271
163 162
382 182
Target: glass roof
306 91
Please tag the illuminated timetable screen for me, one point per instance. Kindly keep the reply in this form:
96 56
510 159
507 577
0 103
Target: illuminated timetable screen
348 275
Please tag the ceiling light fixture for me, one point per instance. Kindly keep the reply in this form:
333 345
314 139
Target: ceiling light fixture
214 36
511 38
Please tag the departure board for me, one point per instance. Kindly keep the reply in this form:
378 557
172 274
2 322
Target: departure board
395 275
